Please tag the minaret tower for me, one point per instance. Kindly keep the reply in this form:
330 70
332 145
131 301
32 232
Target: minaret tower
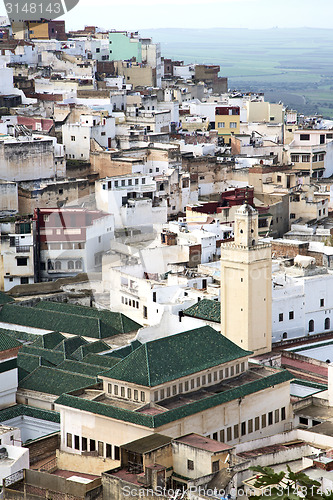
246 285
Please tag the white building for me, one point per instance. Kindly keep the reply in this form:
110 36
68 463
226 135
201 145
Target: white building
77 136
16 254
8 369
131 199
302 300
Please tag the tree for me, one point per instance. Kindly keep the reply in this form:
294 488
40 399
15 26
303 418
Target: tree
288 485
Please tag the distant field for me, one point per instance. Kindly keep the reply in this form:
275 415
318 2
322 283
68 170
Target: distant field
292 66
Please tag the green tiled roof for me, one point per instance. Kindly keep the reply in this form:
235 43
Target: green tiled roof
27 363
79 367
209 310
5 299
23 336
49 340
8 342
69 345
100 360
29 411
93 347
118 321
124 351
169 358
55 381
155 421
54 357
53 320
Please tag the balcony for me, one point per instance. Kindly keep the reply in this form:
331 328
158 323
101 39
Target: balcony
23 249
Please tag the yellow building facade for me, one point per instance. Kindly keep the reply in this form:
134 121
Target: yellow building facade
227 121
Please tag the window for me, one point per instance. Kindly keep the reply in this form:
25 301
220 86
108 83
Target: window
77 442
243 428
216 466
283 413
108 450
281 317
215 436
236 431
145 312
100 448
304 137
242 366
168 392
143 396
180 388
291 314
174 390
295 158
306 158
237 369
279 178
311 325
154 296
222 436
203 379
129 393
116 453
57 265
72 137
327 323
256 424
122 392
226 372
70 265
136 394
270 418
293 216
231 371
322 302
115 390
69 440
78 264
303 421
263 421
24 280
229 434
22 261
84 444
221 374
190 465
143 181
192 383
110 388
186 385
92 445
198 381
209 378
285 335
250 426
277 416
221 125
233 125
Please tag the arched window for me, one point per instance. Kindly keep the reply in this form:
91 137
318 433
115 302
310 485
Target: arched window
78 264
57 265
311 325
70 264
284 335
327 323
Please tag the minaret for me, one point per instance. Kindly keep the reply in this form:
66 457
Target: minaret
246 285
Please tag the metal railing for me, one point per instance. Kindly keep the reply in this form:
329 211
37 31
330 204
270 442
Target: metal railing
13 478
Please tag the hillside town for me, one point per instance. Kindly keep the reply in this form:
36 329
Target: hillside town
171 324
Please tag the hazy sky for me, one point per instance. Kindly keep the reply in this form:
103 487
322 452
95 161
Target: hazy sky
139 14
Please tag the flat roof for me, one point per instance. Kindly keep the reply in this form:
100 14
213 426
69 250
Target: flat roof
146 444
203 443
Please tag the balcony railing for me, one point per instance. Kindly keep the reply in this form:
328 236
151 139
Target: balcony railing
23 249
